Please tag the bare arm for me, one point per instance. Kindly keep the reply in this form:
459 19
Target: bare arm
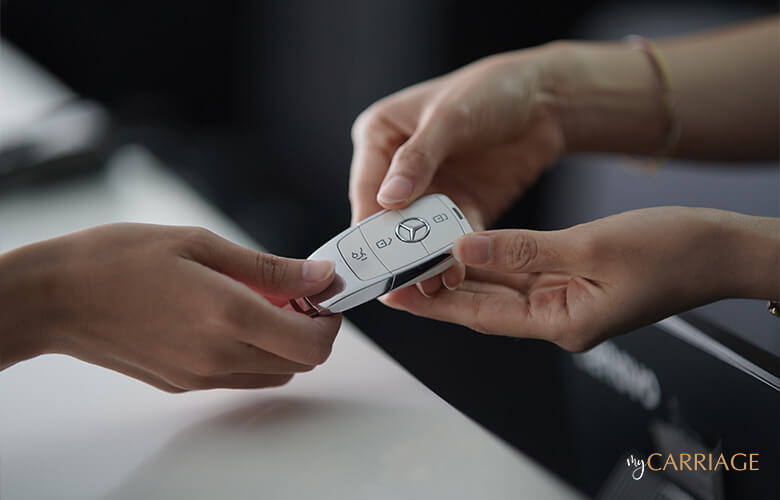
178 308
725 84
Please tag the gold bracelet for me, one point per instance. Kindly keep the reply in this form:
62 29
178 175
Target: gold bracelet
661 69
774 308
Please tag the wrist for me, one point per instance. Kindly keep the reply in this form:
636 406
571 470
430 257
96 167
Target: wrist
752 245
28 304
606 97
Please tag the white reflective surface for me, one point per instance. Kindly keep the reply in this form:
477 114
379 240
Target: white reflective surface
357 427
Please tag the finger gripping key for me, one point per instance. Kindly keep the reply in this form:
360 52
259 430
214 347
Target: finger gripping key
387 251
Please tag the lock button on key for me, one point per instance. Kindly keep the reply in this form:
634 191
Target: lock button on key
381 233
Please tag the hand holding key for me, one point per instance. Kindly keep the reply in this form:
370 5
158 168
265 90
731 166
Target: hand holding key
390 250
178 308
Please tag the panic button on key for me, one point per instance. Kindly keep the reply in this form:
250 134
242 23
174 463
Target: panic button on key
359 257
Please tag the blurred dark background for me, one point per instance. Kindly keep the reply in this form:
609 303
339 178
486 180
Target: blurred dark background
252 103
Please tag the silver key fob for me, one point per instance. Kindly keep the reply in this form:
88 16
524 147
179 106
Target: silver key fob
389 250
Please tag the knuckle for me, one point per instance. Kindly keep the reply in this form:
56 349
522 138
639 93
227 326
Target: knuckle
225 318
328 332
370 121
412 159
362 124
271 269
197 242
520 252
458 117
195 234
318 353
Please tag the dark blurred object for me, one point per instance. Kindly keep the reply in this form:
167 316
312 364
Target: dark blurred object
72 139
253 101
651 391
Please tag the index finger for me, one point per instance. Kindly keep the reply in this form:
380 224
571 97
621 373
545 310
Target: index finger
374 146
252 319
289 334
482 307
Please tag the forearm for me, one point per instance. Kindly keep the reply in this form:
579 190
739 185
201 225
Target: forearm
751 256
725 84
609 98
27 303
606 98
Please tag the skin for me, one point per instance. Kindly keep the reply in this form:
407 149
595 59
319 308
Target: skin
177 308
485 132
578 286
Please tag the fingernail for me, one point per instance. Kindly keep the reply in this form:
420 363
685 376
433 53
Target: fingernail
354 220
317 270
420 288
396 189
474 250
444 282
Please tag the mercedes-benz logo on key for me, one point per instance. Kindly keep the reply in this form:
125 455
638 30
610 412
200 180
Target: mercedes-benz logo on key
412 230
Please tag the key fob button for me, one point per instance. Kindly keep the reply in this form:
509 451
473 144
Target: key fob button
387 251
383 234
359 256
442 222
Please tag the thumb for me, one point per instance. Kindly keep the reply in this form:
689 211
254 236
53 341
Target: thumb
515 251
266 273
415 163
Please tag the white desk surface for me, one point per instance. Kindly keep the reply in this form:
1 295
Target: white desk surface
357 427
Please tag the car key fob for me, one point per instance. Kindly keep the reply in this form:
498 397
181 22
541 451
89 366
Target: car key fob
389 250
